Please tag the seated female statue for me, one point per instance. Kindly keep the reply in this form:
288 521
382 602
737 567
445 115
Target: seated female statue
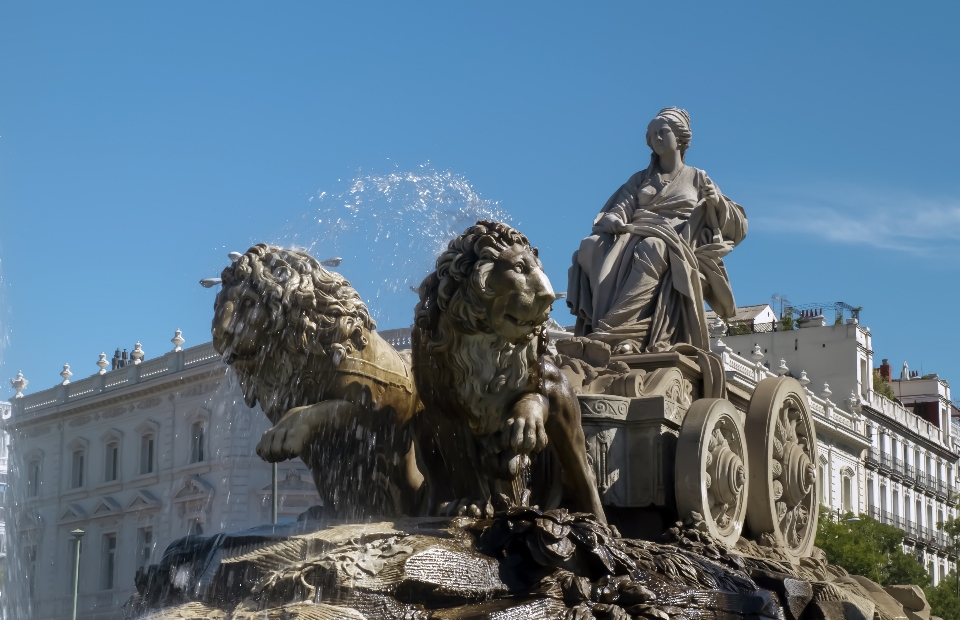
655 253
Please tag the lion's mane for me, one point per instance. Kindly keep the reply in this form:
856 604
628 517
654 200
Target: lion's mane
313 318
461 352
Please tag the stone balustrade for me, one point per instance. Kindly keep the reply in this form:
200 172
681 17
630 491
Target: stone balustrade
170 363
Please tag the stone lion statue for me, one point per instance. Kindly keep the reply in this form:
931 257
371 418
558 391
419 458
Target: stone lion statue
491 399
305 349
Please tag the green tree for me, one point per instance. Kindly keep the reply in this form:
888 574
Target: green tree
864 546
943 598
881 387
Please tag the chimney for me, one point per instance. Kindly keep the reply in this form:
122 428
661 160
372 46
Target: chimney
885 370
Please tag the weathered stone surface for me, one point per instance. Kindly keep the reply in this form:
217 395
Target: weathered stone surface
298 611
794 594
440 574
506 609
888 608
836 601
913 600
188 611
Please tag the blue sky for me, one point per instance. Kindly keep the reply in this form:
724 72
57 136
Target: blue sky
140 142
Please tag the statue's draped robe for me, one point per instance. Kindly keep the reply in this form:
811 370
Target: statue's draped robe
650 285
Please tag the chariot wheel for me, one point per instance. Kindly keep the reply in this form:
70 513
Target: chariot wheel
712 468
782 510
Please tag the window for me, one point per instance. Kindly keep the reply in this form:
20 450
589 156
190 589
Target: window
919 507
76 477
866 382
871 500
108 561
196 443
883 499
896 503
146 454
111 466
30 556
33 479
144 546
930 523
824 484
848 495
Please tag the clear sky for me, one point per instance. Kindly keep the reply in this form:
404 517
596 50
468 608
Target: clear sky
140 142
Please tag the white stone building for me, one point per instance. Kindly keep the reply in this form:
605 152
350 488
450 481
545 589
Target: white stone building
136 457
5 409
906 475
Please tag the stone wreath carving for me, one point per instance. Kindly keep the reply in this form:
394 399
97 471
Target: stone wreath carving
782 510
712 469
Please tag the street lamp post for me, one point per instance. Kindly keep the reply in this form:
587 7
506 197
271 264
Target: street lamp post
77 536
273 502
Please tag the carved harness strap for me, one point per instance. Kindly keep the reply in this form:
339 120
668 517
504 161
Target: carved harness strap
360 367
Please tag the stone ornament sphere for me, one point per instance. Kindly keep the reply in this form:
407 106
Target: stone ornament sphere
782 510
712 469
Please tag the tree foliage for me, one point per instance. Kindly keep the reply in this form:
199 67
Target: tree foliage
943 599
864 546
881 387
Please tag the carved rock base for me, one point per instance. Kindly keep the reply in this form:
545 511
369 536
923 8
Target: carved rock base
523 564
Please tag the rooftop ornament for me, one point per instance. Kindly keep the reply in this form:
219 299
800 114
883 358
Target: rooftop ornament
826 393
19 384
103 363
177 340
782 369
137 354
66 374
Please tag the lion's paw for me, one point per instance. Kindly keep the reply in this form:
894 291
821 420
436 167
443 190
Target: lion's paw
288 438
466 508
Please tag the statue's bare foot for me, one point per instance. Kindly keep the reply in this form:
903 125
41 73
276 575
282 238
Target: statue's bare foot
288 438
466 508
523 430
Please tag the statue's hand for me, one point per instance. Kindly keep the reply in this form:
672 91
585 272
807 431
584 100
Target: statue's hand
523 430
611 224
716 205
289 437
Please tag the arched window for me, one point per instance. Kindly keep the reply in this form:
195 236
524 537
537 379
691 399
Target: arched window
846 490
111 465
197 443
824 483
76 470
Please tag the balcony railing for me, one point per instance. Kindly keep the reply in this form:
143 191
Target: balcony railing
168 364
739 329
919 533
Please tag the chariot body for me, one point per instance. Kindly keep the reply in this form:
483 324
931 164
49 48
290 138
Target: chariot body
669 440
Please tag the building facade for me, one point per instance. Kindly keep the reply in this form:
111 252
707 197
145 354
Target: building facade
905 473
136 457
